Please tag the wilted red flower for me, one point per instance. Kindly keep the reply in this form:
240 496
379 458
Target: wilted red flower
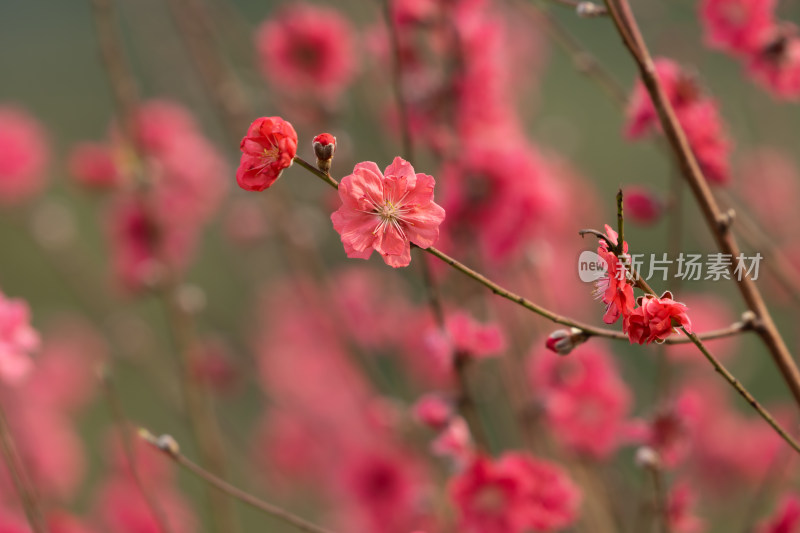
269 147
387 213
656 319
307 48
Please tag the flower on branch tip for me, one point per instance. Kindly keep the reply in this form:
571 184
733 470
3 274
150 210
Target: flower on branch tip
656 319
324 147
614 288
563 341
386 212
268 148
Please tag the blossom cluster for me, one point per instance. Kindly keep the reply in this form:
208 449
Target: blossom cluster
768 48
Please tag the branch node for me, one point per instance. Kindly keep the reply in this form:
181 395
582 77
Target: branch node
725 220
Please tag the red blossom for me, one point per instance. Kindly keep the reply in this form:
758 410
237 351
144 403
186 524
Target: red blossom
268 148
656 319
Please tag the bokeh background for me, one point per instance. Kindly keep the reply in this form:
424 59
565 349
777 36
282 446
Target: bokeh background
55 254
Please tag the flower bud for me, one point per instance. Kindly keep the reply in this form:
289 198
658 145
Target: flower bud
324 148
589 9
647 457
563 341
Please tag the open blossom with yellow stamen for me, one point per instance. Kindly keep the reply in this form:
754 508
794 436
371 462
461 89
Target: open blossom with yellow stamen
386 212
269 147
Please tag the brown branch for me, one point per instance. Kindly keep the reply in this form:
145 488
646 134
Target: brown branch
169 447
497 289
715 219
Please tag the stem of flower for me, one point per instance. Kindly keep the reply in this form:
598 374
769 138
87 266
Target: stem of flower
170 448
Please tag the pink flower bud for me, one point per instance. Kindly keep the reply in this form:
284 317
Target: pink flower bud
433 411
642 205
563 341
324 148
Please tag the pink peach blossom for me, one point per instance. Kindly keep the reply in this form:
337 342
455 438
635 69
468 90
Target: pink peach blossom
387 212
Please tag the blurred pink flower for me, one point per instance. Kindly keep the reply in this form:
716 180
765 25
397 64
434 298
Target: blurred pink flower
433 410
642 205
697 113
680 515
121 508
268 148
512 494
309 49
24 156
786 517
585 401
656 319
92 165
387 213
736 26
17 340
776 65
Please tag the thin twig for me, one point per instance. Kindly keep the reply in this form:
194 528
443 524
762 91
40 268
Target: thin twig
589 330
169 447
397 81
198 406
19 478
719 224
582 59
124 427
227 93
497 289
661 498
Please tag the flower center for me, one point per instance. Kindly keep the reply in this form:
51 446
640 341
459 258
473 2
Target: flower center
388 211
270 154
